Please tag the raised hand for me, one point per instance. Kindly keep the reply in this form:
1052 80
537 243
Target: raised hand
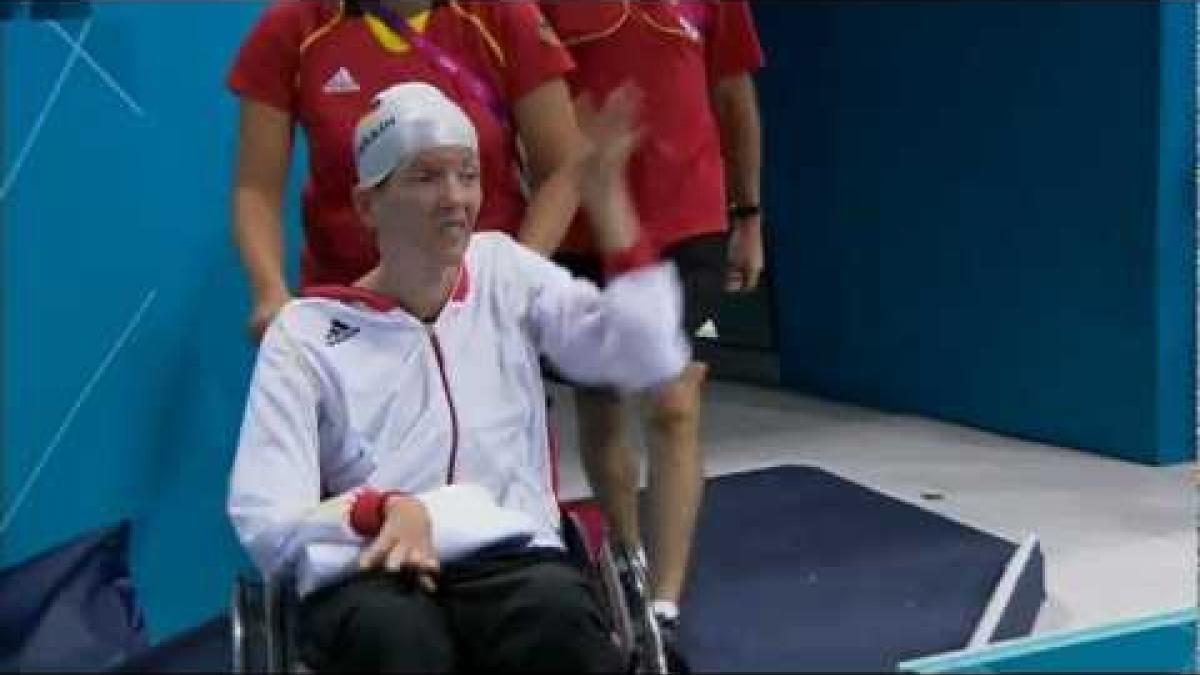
612 134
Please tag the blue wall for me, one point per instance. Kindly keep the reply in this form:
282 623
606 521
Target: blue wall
983 212
117 223
1178 171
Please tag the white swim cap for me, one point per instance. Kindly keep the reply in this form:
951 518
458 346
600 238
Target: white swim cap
406 119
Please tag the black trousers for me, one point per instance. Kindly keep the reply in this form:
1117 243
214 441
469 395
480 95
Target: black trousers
525 612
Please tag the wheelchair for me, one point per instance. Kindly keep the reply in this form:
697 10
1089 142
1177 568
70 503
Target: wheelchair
264 611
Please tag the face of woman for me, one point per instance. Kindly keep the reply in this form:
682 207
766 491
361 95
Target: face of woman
428 206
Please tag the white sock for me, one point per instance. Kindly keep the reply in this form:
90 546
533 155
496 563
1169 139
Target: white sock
640 555
665 609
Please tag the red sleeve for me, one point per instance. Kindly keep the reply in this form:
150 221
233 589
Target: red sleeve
532 52
266 65
733 46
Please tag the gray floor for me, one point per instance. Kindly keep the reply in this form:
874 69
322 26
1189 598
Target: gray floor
1119 539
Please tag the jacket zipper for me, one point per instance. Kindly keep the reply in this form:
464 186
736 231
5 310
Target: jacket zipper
441 362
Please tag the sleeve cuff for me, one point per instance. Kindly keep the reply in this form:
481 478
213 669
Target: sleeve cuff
640 255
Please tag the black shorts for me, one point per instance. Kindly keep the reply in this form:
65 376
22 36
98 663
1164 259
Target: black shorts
701 263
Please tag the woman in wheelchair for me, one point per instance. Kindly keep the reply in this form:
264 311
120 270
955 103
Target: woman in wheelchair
393 461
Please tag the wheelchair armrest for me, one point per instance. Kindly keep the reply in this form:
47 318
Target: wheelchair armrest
575 538
583 529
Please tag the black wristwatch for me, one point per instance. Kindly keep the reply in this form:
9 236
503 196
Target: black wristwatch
743 211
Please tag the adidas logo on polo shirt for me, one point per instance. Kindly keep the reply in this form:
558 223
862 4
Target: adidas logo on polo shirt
708 330
342 82
339 333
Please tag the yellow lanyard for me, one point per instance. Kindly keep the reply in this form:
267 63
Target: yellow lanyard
388 38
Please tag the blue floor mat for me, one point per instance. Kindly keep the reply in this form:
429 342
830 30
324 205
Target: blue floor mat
797 569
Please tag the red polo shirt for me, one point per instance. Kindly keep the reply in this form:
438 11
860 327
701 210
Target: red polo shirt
322 66
674 53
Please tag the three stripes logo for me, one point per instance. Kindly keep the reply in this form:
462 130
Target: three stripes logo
339 332
342 82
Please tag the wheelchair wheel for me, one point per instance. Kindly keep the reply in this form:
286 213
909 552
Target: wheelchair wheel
646 640
261 620
248 621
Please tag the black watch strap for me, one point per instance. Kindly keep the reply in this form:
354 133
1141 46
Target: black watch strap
743 211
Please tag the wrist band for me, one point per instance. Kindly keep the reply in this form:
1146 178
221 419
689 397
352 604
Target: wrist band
368 511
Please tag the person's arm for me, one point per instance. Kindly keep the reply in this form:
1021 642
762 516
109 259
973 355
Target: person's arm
733 53
736 107
417 532
532 79
446 523
263 158
550 136
629 335
263 77
275 489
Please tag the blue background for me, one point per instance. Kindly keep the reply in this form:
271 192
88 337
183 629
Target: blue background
984 212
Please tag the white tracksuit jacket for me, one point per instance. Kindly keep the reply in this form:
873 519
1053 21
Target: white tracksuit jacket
345 397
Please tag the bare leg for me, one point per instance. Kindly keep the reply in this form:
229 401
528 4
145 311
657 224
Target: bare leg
676 481
609 461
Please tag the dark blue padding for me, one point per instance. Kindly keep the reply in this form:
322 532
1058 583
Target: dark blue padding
72 608
11 9
796 569
207 648
60 10
45 10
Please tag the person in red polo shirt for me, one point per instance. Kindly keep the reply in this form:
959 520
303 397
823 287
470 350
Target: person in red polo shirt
319 63
695 173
